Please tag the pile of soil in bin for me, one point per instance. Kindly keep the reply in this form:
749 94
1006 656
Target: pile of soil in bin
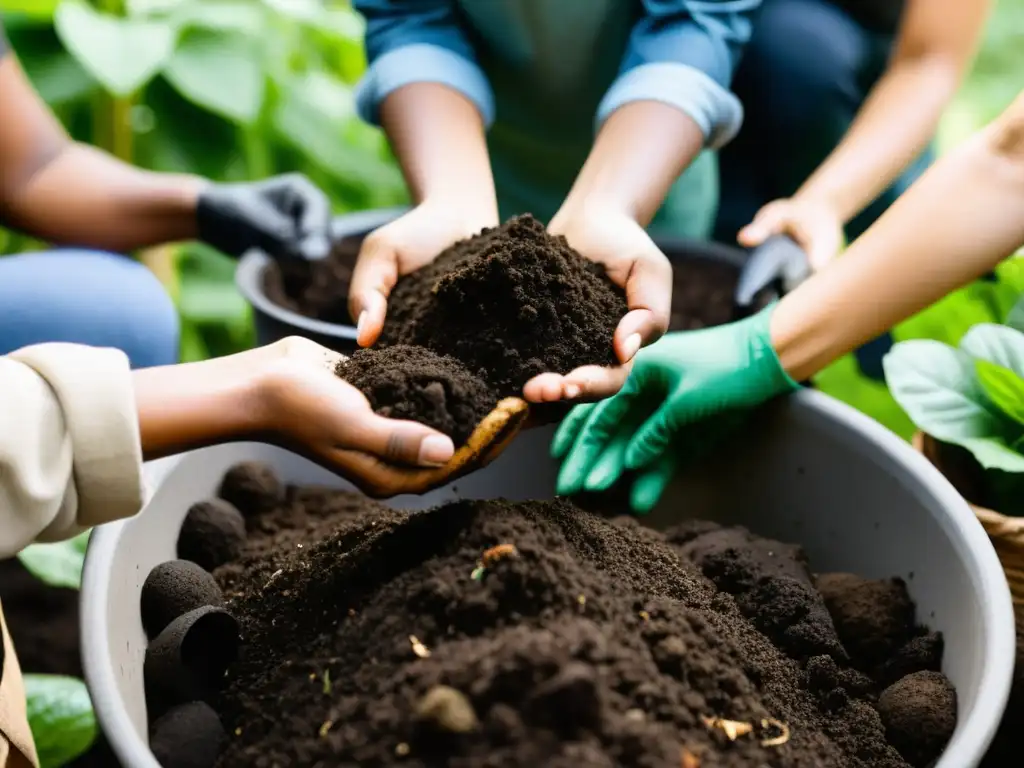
702 292
537 633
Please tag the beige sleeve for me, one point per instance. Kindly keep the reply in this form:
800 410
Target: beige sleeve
70 456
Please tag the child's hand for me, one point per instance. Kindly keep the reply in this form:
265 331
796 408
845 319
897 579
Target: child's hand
403 246
814 225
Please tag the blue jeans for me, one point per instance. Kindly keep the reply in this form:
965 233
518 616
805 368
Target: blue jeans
803 77
87 297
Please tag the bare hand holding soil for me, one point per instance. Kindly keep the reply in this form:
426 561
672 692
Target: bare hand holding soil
396 249
635 264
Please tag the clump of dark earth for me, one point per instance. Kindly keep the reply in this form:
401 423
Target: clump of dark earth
252 487
379 637
188 736
919 713
874 618
172 589
407 382
212 534
188 659
702 289
510 303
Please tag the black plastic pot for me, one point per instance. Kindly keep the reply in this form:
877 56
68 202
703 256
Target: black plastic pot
764 274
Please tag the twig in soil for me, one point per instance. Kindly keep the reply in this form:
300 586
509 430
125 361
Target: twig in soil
419 648
770 724
733 729
325 728
689 760
327 681
273 576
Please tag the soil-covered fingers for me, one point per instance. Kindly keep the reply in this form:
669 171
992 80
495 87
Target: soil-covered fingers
373 278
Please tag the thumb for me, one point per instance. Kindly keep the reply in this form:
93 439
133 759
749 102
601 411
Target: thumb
375 274
768 221
398 442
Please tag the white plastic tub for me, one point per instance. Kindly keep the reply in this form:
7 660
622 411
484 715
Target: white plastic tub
809 470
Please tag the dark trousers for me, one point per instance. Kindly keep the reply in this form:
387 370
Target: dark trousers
803 77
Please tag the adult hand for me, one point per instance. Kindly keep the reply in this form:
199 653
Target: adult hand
403 246
635 263
814 225
684 378
286 216
310 410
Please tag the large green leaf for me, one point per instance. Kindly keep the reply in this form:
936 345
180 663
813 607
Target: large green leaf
123 54
220 72
59 564
61 717
997 344
242 16
1015 319
40 8
1004 388
936 385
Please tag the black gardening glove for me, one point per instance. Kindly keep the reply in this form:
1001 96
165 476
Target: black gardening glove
288 217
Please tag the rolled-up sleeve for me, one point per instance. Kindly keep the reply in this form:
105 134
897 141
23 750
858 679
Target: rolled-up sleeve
683 53
418 41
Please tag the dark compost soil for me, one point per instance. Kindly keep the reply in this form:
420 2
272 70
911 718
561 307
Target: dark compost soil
43 622
408 382
377 637
702 289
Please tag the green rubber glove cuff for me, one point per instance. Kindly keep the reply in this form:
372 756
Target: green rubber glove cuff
763 357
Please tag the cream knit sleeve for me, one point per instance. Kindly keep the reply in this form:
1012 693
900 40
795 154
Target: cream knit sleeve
70 456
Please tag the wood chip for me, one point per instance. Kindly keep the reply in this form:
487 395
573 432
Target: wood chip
273 576
419 648
732 729
689 760
582 600
645 615
494 554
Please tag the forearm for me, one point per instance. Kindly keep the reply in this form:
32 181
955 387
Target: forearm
438 136
893 127
184 407
640 151
962 218
83 196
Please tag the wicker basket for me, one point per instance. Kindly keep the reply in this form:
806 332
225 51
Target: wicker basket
1006 533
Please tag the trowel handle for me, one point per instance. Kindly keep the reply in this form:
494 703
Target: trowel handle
778 262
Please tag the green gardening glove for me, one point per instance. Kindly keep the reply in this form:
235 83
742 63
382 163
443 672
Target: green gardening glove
686 377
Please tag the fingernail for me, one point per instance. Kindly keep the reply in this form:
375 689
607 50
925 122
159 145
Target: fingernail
572 391
360 323
436 450
632 346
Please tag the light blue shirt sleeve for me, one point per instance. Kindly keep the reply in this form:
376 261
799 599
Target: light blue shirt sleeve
683 53
417 41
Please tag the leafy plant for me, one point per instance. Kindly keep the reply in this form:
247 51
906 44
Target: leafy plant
60 564
61 717
971 395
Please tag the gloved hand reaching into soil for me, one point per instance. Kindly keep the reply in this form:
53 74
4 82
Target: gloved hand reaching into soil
684 378
286 216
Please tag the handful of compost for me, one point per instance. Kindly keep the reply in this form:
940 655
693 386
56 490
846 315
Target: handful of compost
411 382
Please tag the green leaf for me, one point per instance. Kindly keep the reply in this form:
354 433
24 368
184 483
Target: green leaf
936 385
994 453
1005 389
123 54
210 301
61 717
221 73
59 564
246 18
1015 319
997 344
39 8
302 10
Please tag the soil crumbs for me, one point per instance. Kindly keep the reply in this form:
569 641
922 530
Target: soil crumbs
486 633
